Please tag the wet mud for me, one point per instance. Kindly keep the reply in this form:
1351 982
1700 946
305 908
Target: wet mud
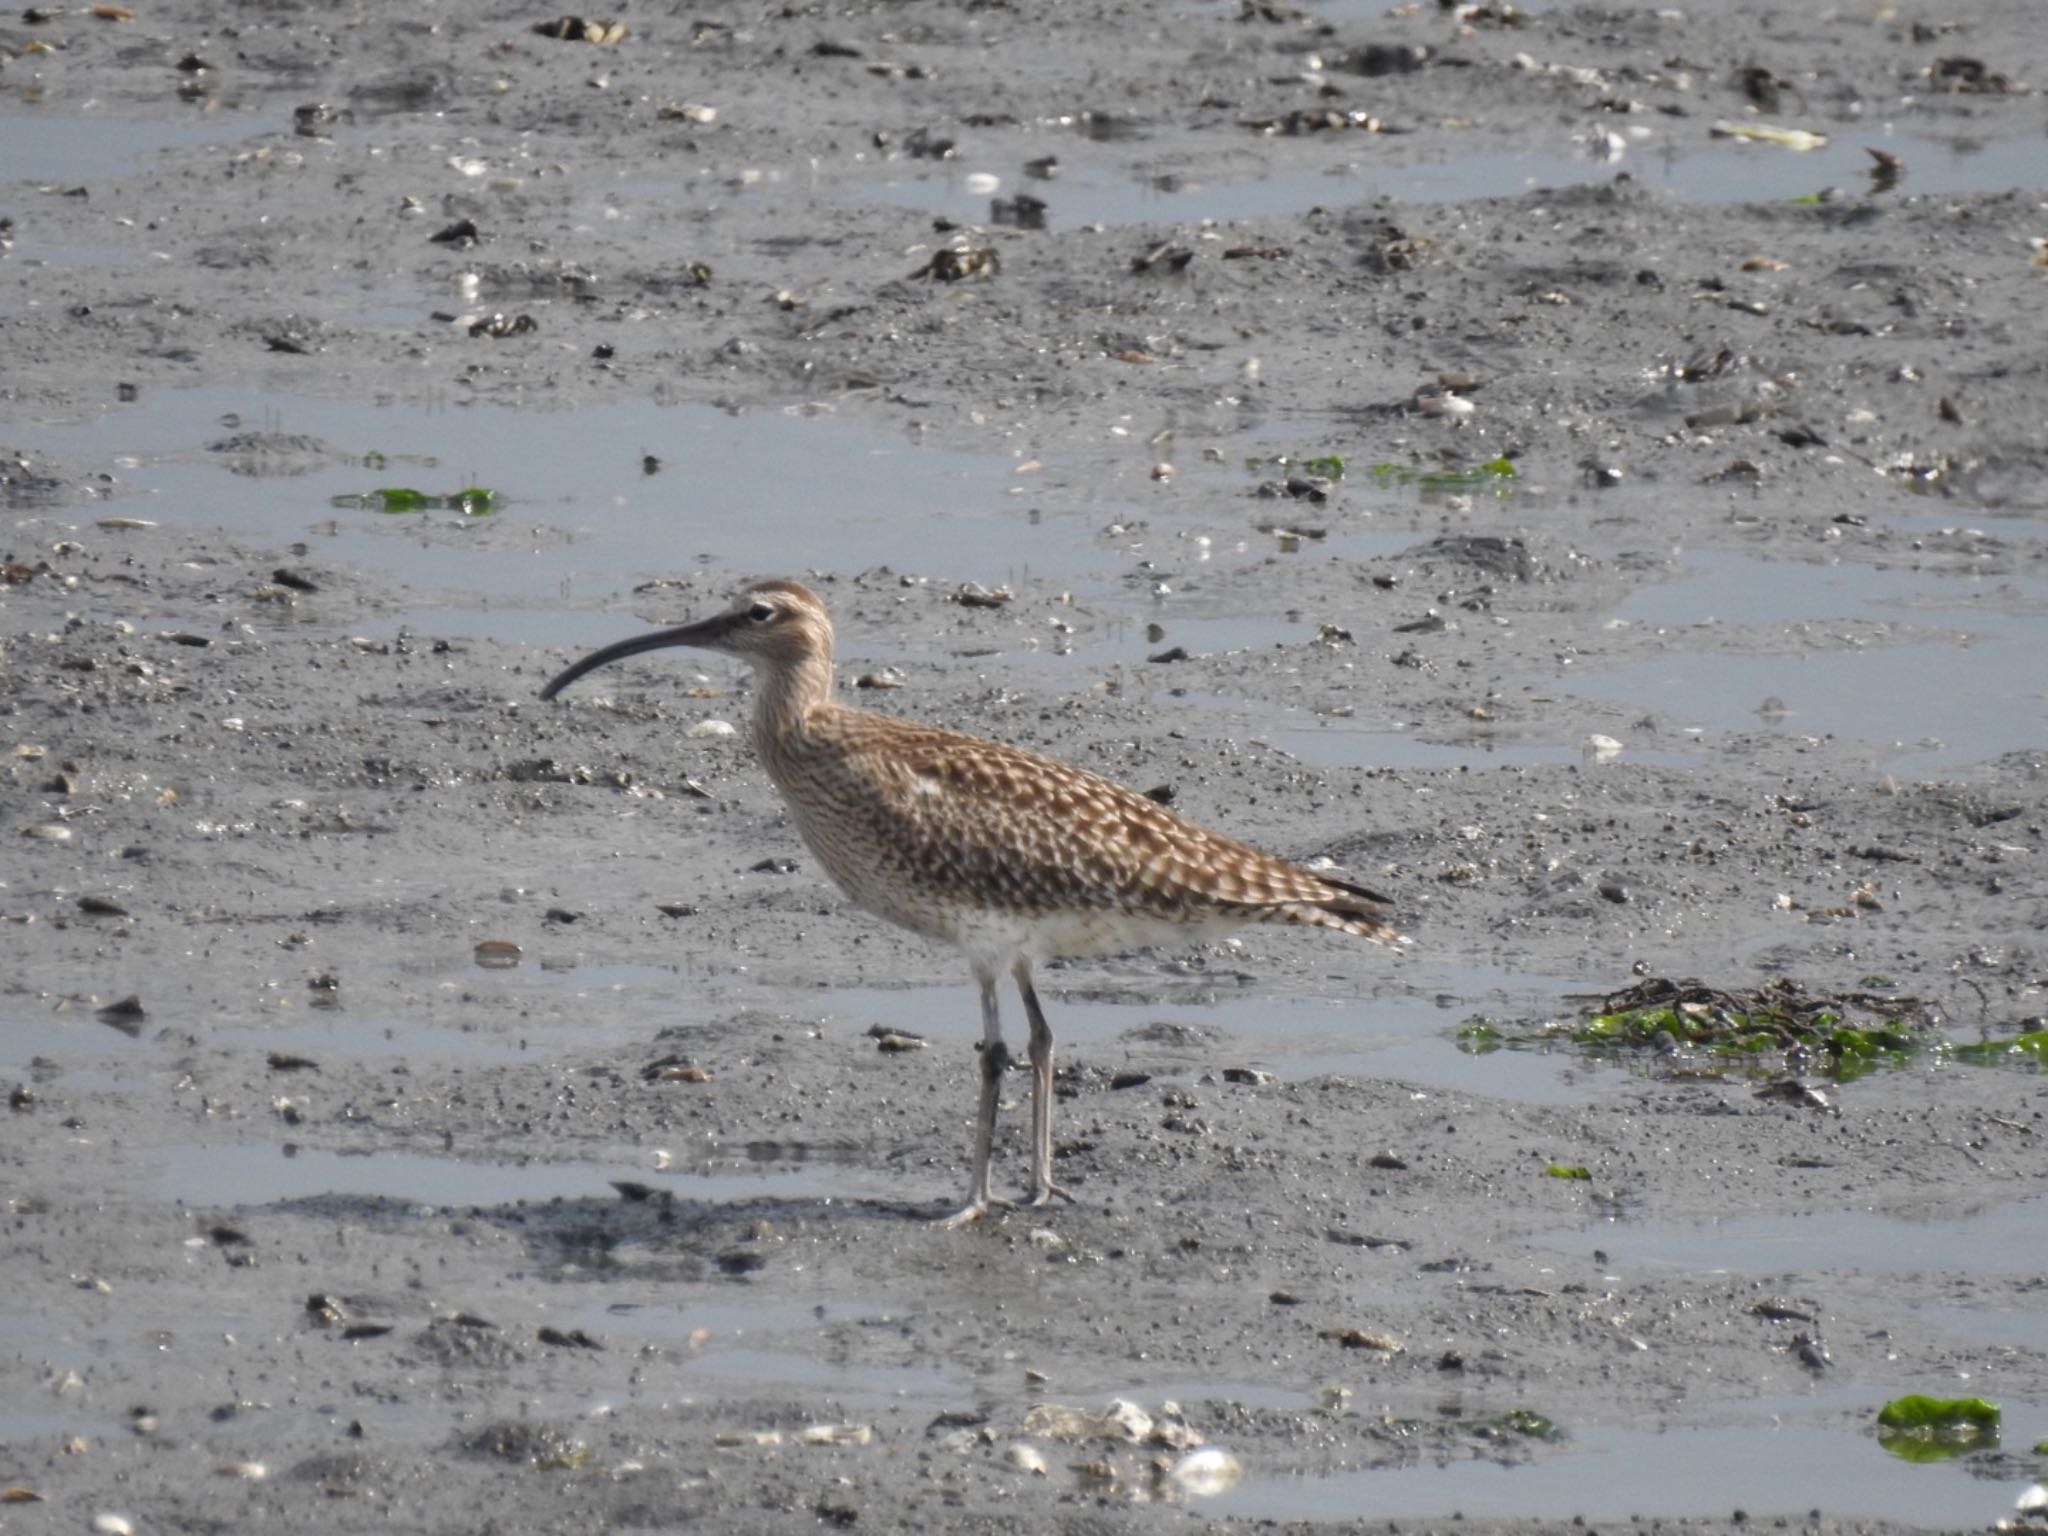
1489 450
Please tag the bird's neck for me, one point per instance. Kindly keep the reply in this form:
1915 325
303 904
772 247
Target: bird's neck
788 697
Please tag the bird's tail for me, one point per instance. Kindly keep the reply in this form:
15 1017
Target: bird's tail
1350 908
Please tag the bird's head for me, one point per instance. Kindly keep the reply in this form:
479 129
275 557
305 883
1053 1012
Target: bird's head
771 624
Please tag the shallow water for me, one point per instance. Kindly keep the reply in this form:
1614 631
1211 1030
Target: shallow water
1612 1474
1403 1030
1720 587
359 1037
65 144
69 1038
1405 1036
1093 188
2001 1327
1372 10
745 490
236 1174
2003 1239
1960 684
665 1316
787 1371
579 521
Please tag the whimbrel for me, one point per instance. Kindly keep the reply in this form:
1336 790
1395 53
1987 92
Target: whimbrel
1011 856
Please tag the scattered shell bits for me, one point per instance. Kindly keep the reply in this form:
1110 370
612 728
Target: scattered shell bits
1121 1420
1798 140
836 1434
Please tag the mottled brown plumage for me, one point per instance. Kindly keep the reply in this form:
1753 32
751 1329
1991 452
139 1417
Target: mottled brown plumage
1011 856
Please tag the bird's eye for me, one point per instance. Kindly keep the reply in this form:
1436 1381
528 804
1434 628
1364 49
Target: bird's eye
761 613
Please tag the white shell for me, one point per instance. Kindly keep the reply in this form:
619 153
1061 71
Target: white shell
1026 1458
1207 1472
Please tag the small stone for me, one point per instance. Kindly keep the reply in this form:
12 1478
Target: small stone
1361 1338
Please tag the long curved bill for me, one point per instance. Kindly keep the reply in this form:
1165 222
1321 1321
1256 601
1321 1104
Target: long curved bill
705 632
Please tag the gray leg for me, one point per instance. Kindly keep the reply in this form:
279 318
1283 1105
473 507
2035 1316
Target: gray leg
995 1057
1042 1186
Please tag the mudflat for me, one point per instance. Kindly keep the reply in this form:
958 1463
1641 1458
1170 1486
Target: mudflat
1577 470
